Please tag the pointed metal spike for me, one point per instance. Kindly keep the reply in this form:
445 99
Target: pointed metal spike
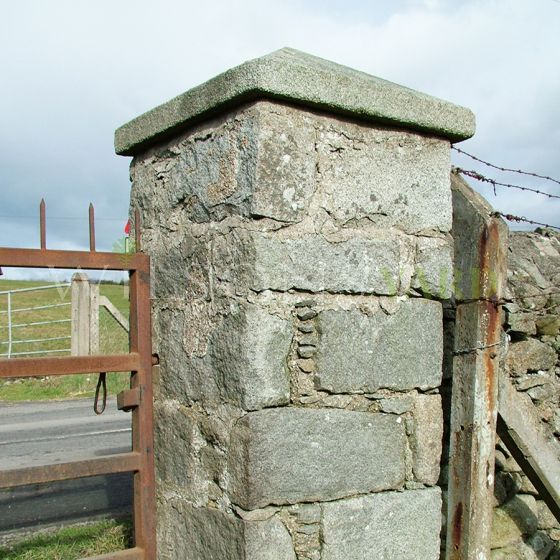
91 227
43 224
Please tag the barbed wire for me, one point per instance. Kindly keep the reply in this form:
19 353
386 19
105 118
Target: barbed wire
508 169
513 218
479 177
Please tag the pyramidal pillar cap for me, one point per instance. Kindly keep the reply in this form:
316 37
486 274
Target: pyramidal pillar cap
305 80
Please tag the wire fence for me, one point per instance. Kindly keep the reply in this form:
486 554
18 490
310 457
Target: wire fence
27 329
477 176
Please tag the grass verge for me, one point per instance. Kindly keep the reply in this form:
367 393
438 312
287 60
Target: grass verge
72 543
112 339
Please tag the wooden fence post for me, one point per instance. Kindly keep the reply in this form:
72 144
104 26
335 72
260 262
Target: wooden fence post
85 316
481 273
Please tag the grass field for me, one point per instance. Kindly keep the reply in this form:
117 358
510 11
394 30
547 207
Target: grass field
112 339
72 543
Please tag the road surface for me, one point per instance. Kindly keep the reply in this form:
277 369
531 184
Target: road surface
33 434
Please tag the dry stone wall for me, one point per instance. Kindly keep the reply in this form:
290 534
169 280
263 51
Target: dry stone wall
299 263
523 526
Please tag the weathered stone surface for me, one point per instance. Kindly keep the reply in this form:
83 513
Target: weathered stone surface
548 325
514 519
351 263
402 351
427 437
476 231
248 353
522 323
433 274
308 80
386 526
266 467
530 355
546 519
537 547
284 178
198 533
397 404
174 435
388 178
181 337
210 534
268 540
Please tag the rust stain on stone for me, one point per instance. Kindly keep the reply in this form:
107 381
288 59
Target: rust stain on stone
457 529
490 256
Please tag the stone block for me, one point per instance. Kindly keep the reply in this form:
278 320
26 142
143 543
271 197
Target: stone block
351 263
268 540
290 455
181 335
389 178
530 355
516 518
284 176
203 533
174 444
427 437
401 351
248 352
197 533
386 526
433 272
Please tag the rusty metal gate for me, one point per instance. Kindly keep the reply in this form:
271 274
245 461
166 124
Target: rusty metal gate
139 400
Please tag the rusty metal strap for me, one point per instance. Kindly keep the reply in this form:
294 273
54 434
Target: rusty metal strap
68 365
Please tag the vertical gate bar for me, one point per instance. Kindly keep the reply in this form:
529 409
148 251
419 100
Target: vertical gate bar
142 415
9 324
91 228
43 224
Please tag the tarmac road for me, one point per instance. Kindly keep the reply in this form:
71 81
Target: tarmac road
34 434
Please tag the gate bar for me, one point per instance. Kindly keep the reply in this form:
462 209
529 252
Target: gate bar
118 463
55 258
68 365
142 415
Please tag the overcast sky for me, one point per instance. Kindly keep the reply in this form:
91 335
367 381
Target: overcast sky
72 71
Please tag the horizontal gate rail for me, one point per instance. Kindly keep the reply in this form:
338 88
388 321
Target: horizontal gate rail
41 258
139 399
123 462
68 365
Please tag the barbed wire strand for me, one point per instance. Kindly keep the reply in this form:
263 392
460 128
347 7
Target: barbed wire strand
520 171
513 218
479 177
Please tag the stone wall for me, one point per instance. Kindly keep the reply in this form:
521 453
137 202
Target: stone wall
523 525
297 214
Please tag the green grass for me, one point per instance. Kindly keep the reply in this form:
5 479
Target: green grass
112 338
72 543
